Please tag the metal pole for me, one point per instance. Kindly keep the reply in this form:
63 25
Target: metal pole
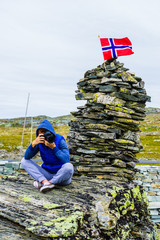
24 125
31 127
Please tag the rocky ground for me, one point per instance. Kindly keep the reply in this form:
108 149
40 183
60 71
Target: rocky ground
4 154
88 208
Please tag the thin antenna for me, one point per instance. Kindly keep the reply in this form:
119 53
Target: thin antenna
31 127
24 126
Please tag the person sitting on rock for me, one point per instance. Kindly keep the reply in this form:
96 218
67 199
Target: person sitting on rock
56 168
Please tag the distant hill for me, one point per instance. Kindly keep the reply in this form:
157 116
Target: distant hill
11 133
152 110
18 122
60 120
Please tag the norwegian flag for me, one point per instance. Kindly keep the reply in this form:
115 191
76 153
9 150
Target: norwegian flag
114 47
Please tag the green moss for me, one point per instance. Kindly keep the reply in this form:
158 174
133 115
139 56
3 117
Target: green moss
59 219
125 233
123 141
34 222
113 193
31 229
50 205
124 212
47 223
53 234
25 198
67 209
144 197
119 109
4 177
119 104
93 148
127 203
136 193
66 226
157 233
95 97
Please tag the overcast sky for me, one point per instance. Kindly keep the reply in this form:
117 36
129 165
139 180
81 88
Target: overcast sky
46 46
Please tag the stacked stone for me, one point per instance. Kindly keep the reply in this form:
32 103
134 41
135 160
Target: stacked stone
103 139
9 167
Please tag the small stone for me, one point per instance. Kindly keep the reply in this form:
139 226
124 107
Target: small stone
2 163
131 164
118 163
127 77
107 88
111 80
155 186
152 193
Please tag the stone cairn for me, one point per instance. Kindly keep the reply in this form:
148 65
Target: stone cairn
103 139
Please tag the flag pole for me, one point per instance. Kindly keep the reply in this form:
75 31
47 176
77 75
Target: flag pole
104 62
31 127
24 125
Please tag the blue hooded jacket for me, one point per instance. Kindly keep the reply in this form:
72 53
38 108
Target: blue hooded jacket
53 159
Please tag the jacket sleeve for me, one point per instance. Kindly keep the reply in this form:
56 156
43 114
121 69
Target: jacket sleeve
62 151
31 152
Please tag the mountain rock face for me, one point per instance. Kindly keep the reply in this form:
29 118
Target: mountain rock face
103 138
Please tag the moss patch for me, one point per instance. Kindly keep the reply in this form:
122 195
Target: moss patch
66 226
50 205
25 198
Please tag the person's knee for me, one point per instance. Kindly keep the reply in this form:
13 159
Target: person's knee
23 162
69 168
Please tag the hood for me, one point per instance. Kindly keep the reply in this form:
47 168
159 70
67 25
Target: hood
47 125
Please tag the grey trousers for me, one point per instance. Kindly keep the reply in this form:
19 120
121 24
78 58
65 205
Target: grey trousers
62 177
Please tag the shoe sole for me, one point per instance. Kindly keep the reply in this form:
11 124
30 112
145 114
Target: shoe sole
46 188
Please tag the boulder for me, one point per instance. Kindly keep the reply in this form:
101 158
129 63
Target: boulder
88 208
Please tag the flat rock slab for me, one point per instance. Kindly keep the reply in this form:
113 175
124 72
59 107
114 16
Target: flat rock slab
154 205
55 213
88 208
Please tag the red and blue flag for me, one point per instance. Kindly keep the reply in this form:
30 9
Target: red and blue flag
115 47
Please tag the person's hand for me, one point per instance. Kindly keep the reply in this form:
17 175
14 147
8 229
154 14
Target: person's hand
50 145
39 139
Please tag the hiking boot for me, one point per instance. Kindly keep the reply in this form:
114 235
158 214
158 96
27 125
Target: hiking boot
37 184
46 186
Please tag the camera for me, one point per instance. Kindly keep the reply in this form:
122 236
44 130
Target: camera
49 137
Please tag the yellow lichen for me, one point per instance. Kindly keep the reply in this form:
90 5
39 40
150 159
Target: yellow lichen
66 226
50 205
25 198
136 193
